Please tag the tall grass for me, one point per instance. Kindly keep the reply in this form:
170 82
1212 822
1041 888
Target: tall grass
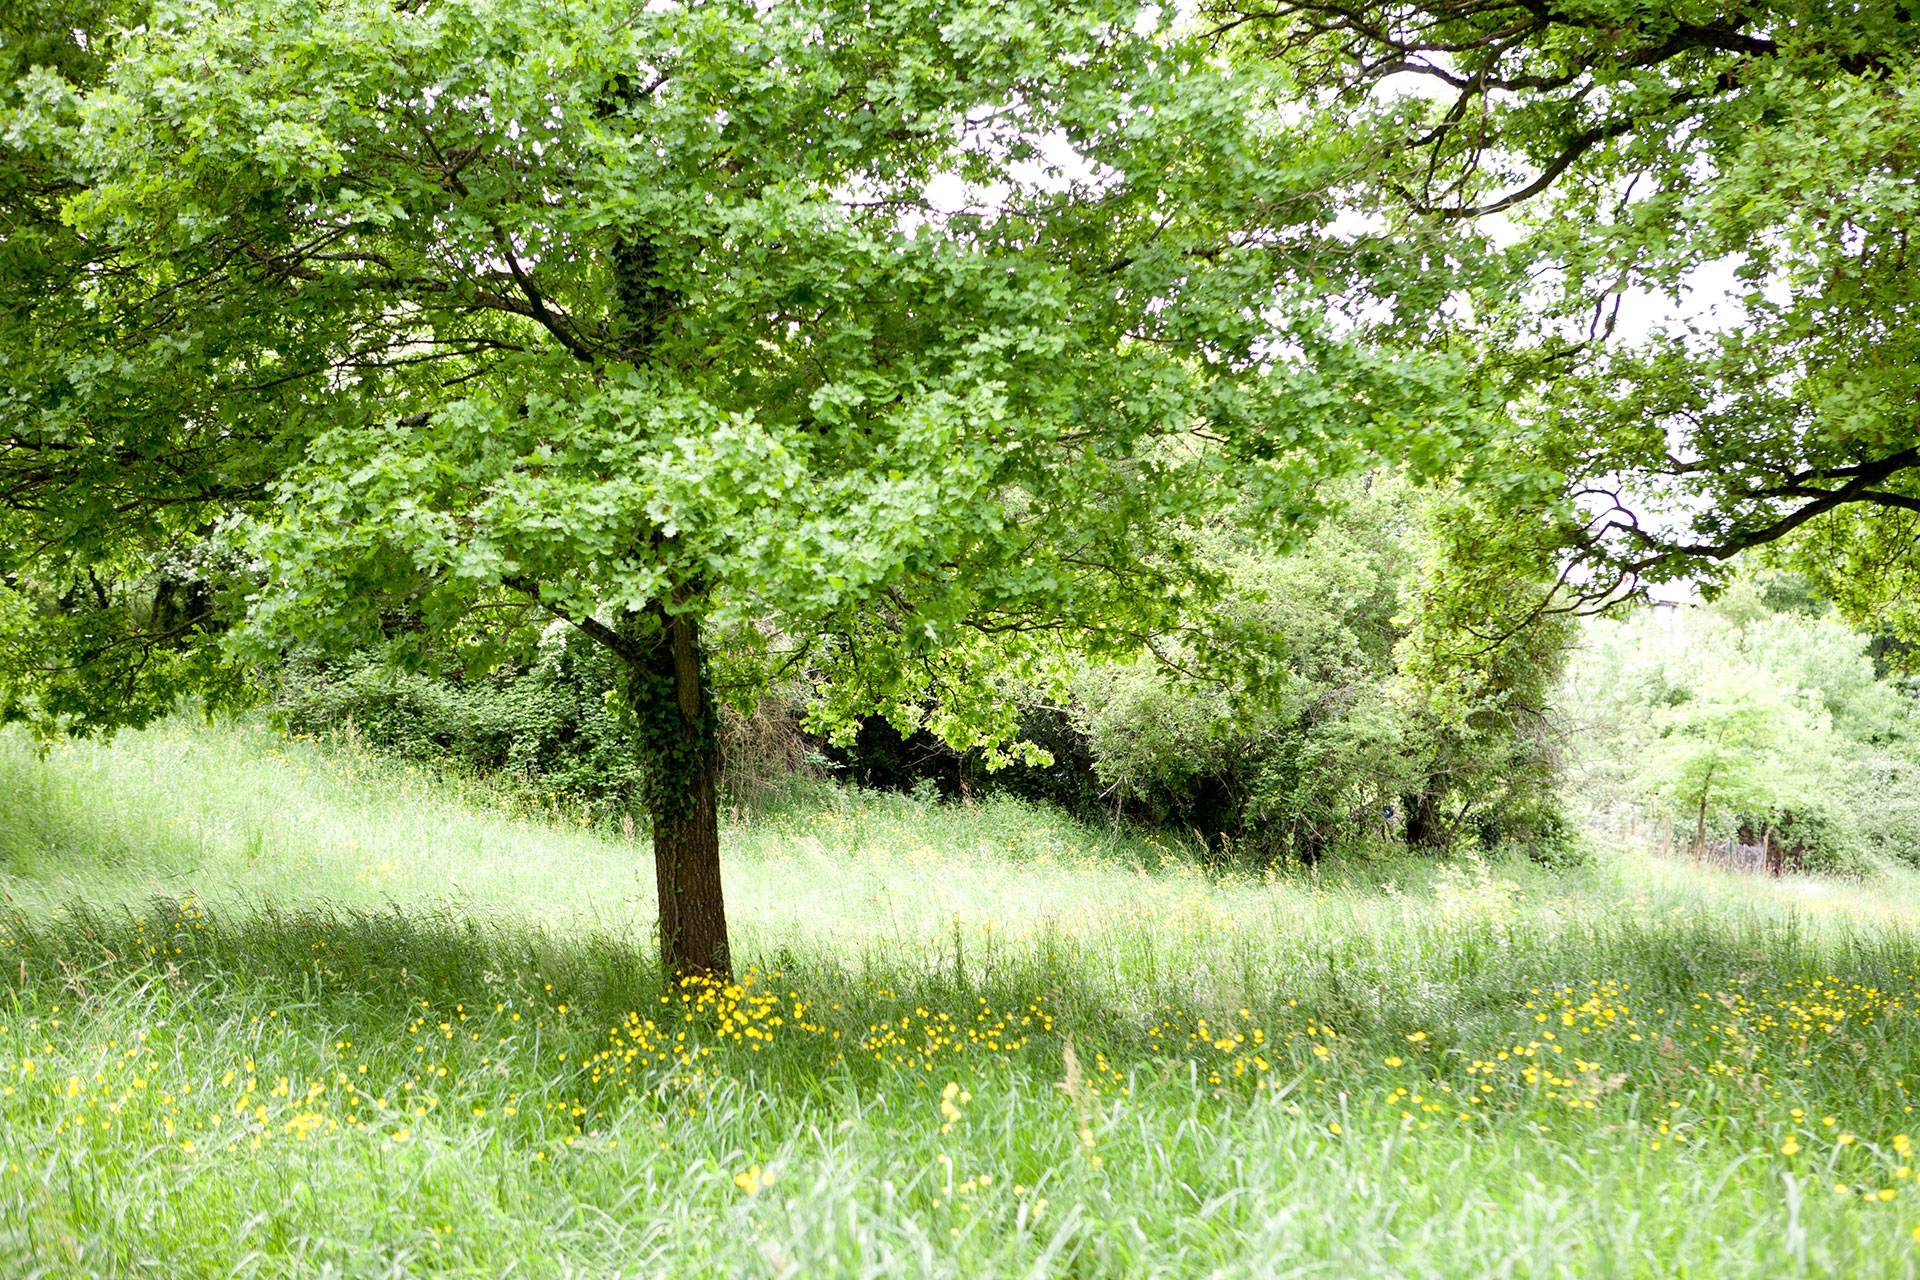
279 1009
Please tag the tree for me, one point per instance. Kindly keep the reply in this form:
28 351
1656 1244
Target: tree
1630 150
1750 716
1717 751
641 317
108 489
1477 666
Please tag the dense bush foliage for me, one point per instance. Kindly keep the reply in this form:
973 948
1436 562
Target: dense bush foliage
549 727
879 757
1759 716
554 729
1361 743
1320 761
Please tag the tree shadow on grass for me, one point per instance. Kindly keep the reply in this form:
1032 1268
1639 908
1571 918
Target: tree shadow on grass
342 970
322 955
53 828
354 965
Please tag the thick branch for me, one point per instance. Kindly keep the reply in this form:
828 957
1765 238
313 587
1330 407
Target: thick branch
1857 489
590 626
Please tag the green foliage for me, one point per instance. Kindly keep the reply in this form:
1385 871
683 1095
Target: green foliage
1887 813
1738 746
673 323
1483 649
124 439
1368 735
106 641
1863 560
557 729
1746 720
1639 159
1310 761
550 729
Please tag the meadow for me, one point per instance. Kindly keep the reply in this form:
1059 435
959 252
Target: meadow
275 1007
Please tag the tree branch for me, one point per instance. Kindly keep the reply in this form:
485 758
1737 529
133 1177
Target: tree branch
590 626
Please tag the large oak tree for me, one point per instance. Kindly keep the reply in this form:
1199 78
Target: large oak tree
913 341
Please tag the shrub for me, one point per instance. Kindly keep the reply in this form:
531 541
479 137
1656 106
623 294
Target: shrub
1364 738
1885 800
547 728
880 758
552 728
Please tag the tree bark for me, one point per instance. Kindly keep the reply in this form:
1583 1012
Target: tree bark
686 873
668 694
1700 832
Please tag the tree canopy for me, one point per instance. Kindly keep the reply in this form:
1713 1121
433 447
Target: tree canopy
648 319
1577 162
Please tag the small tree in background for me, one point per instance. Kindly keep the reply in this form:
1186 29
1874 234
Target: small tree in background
1739 745
1770 692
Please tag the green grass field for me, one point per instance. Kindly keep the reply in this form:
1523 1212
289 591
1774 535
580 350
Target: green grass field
273 1009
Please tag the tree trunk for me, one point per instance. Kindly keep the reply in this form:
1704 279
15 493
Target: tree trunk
686 873
666 688
1423 820
1700 832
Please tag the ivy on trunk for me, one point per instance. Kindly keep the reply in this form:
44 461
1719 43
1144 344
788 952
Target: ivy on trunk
666 689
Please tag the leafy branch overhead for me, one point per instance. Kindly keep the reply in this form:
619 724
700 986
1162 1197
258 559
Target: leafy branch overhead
1592 167
635 305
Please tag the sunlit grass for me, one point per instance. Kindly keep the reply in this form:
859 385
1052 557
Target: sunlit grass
274 1009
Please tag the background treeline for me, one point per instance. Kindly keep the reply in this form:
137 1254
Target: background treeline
1338 747
1758 715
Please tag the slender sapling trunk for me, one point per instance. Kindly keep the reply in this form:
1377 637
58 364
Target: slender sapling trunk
1700 831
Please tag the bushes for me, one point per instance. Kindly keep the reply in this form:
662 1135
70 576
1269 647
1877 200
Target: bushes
554 729
1291 779
1346 769
548 728
1334 747
1364 739
1886 797
879 758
